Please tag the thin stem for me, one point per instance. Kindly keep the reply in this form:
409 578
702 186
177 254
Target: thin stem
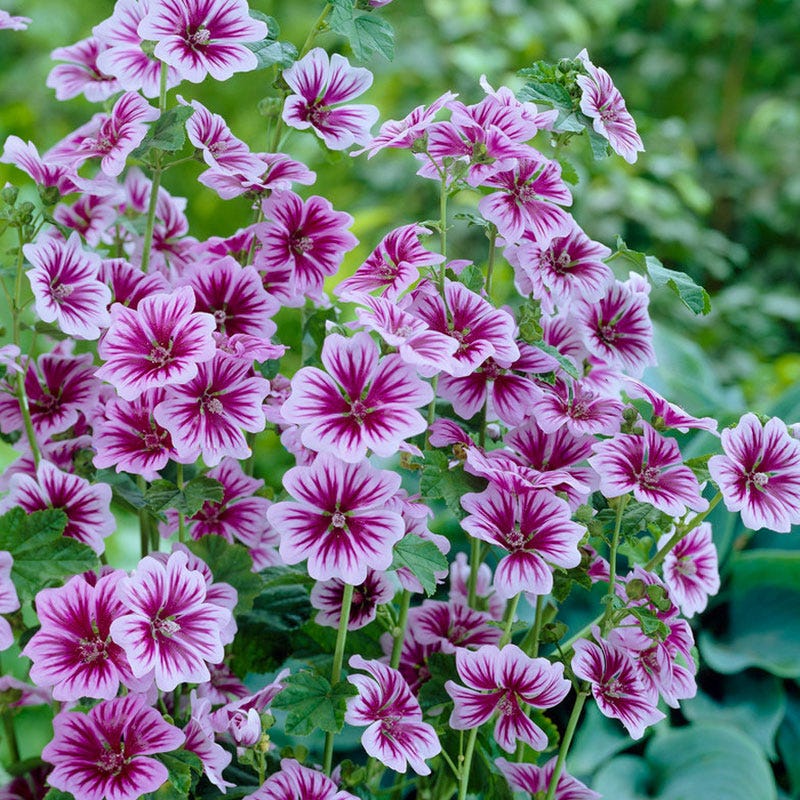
315 30
490 260
680 532
466 765
474 564
400 635
572 724
181 518
537 627
336 669
508 619
443 228
156 179
612 560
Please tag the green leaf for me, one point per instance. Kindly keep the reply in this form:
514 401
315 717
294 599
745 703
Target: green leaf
438 481
529 321
694 297
316 325
568 172
553 94
197 491
313 703
764 626
57 794
366 33
123 487
183 771
472 277
230 563
565 363
599 145
442 667
167 133
162 494
789 744
753 702
422 558
42 555
270 52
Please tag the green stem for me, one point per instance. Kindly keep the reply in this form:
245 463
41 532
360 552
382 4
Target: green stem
537 627
156 179
466 765
490 261
336 669
181 518
315 30
565 744
443 228
397 645
474 564
612 560
508 619
680 532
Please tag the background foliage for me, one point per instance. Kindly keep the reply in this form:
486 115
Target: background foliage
715 88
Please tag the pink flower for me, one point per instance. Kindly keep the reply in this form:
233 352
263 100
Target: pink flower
319 84
109 137
201 38
396 735
81 75
86 505
44 171
500 680
452 626
128 438
8 599
651 467
234 295
72 652
9 22
66 287
480 329
339 521
90 215
485 594
533 779
617 328
122 54
241 515
616 684
393 266
200 741
210 133
160 343
171 629
277 174
306 237
534 527
295 781
360 403
672 416
759 475
530 197
326 597
691 570
574 405
208 414
430 351
104 754
402 133
603 104
67 388
129 285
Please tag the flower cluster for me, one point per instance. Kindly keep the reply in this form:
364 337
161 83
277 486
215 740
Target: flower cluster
530 416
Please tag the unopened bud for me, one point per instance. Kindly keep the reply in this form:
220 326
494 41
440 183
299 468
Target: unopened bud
635 589
49 195
9 194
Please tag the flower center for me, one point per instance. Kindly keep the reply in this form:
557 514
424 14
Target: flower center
61 290
151 441
112 762
200 37
608 333
649 477
527 193
166 627
90 650
490 369
160 355
515 537
212 405
759 479
686 566
338 520
301 244
507 706
220 315
358 411
318 115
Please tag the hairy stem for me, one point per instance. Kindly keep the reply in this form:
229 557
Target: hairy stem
508 619
397 644
466 765
612 561
336 669
572 724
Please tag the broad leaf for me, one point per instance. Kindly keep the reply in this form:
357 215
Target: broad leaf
168 132
553 94
366 33
438 481
422 558
313 703
230 563
162 494
42 555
